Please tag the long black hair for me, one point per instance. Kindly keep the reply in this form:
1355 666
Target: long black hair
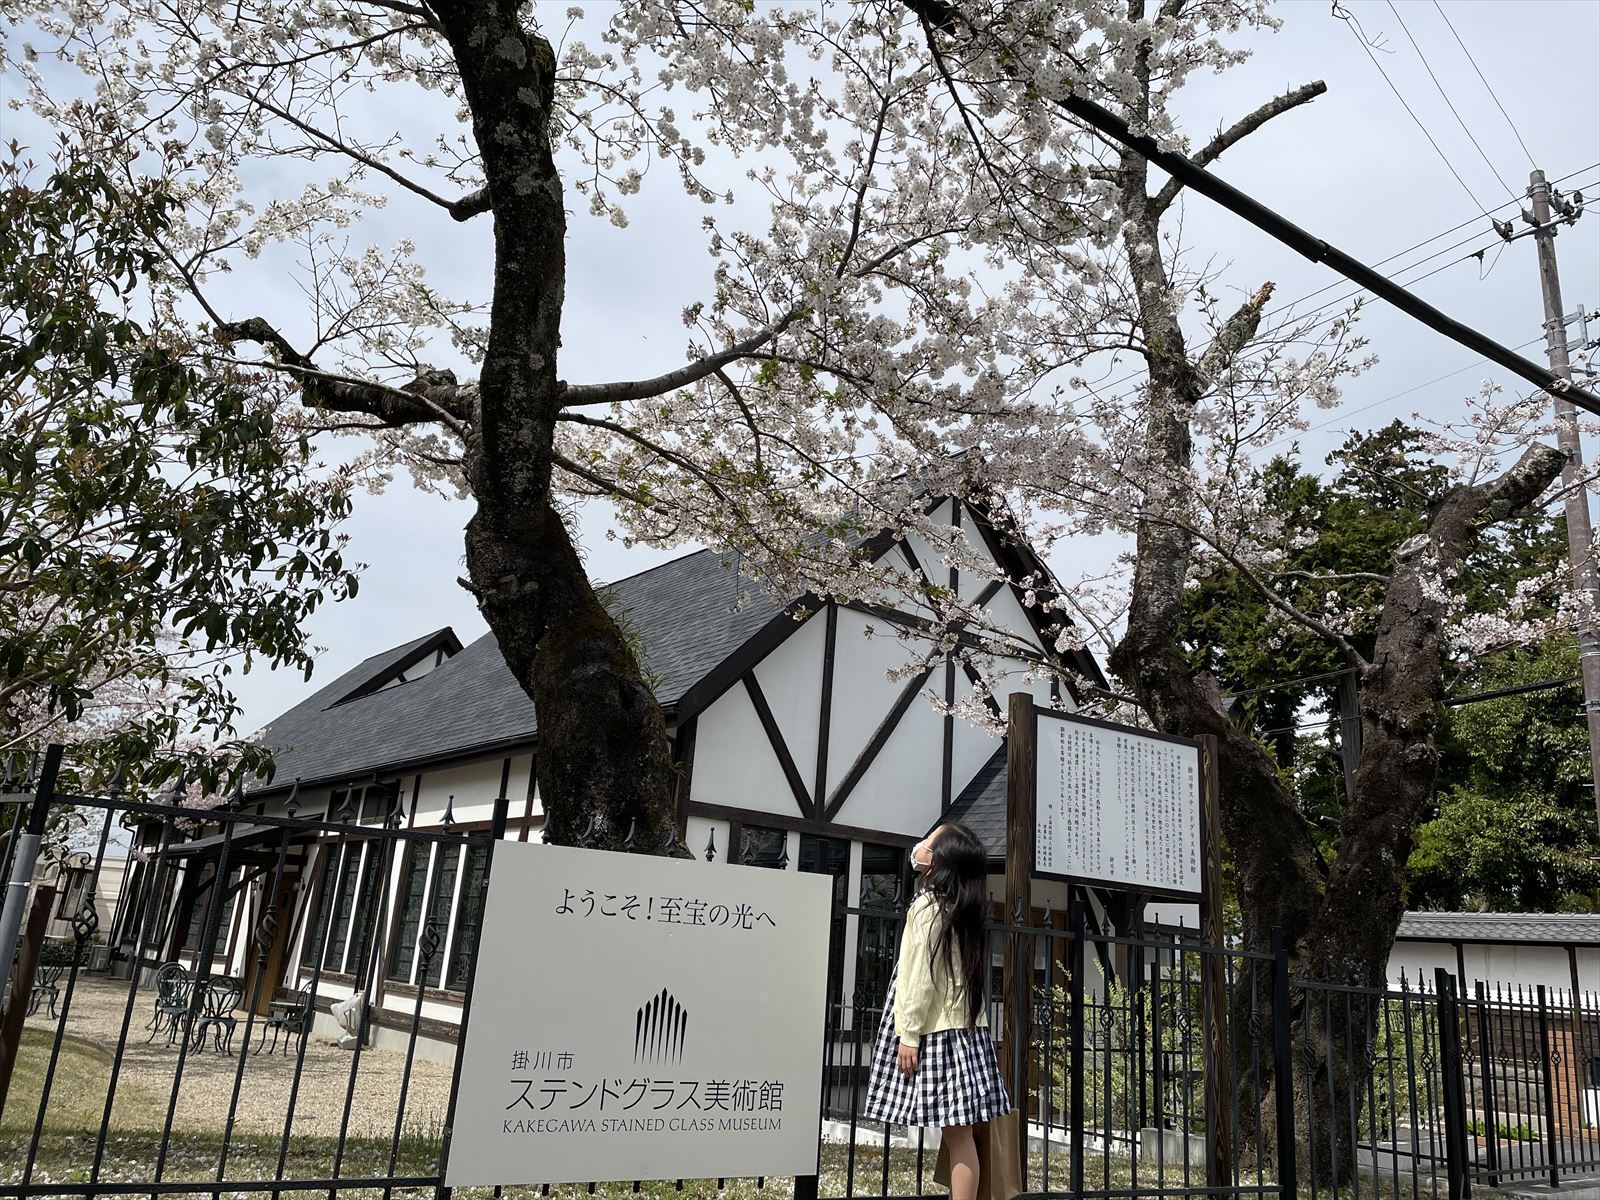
958 880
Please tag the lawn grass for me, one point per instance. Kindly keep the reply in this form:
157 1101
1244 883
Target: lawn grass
77 1090
65 1153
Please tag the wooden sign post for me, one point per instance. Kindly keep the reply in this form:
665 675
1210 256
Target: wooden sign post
1016 974
1114 807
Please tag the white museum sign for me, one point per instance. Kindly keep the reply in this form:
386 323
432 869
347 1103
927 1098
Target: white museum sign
641 1018
1117 806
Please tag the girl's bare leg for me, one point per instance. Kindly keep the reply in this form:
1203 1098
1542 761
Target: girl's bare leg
963 1162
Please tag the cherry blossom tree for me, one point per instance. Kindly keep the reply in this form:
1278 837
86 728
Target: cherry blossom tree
844 342
1175 464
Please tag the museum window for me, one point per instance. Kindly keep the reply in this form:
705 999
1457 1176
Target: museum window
321 900
469 916
363 927
830 856
206 896
408 911
349 899
762 847
882 869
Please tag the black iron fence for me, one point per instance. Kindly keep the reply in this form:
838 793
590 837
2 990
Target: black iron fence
270 1004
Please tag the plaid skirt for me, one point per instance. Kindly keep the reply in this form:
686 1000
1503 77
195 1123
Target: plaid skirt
957 1081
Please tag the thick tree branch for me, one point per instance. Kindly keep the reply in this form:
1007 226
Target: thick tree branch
432 396
1236 333
581 394
1237 132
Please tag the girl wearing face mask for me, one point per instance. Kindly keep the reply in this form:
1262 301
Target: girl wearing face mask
934 1061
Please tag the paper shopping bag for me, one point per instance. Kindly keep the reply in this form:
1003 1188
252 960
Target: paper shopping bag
999 1167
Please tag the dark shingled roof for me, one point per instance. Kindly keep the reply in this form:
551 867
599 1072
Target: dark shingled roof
1561 928
681 612
981 806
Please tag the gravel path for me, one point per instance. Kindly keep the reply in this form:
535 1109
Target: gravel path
96 1016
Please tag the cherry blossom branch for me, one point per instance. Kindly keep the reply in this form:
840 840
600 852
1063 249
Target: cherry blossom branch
467 206
608 487
1331 576
1323 630
1237 132
577 395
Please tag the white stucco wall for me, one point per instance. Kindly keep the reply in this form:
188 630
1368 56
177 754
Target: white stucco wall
1512 965
734 763
475 786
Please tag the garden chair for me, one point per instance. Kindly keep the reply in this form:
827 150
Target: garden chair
219 1002
288 1019
173 990
46 987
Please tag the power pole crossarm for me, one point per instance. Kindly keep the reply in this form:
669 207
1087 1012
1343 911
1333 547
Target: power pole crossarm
1580 535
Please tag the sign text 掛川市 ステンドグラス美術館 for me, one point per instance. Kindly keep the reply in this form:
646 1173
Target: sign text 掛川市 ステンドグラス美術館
641 1018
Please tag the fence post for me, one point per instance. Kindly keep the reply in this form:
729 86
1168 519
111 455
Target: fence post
1551 1135
1214 992
22 986
1076 1088
806 1186
24 860
1283 1068
1491 1118
1455 1105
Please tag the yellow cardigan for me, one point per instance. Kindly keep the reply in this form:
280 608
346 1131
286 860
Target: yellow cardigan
926 999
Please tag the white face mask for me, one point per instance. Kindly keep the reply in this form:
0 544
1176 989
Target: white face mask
922 856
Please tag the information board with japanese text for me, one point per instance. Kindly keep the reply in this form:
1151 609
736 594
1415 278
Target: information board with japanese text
635 1017
1117 806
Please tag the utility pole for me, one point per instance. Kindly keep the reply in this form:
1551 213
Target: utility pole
1580 536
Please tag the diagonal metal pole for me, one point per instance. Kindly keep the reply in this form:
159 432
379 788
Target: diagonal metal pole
947 16
24 861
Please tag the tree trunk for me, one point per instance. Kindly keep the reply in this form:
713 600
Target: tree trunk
602 748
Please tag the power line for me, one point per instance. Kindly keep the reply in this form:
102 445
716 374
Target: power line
1376 403
1358 291
1274 311
1514 130
1445 96
1288 683
1354 26
1523 689
1456 702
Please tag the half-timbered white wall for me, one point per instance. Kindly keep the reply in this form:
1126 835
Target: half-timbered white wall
865 766
738 765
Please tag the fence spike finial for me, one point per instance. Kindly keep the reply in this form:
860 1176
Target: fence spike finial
586 838
292 804
711 845
631 841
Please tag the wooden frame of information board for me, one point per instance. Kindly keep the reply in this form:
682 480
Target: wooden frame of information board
1022 796
1202 821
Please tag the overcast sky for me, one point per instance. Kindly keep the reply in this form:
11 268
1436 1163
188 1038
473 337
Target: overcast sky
1352 167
